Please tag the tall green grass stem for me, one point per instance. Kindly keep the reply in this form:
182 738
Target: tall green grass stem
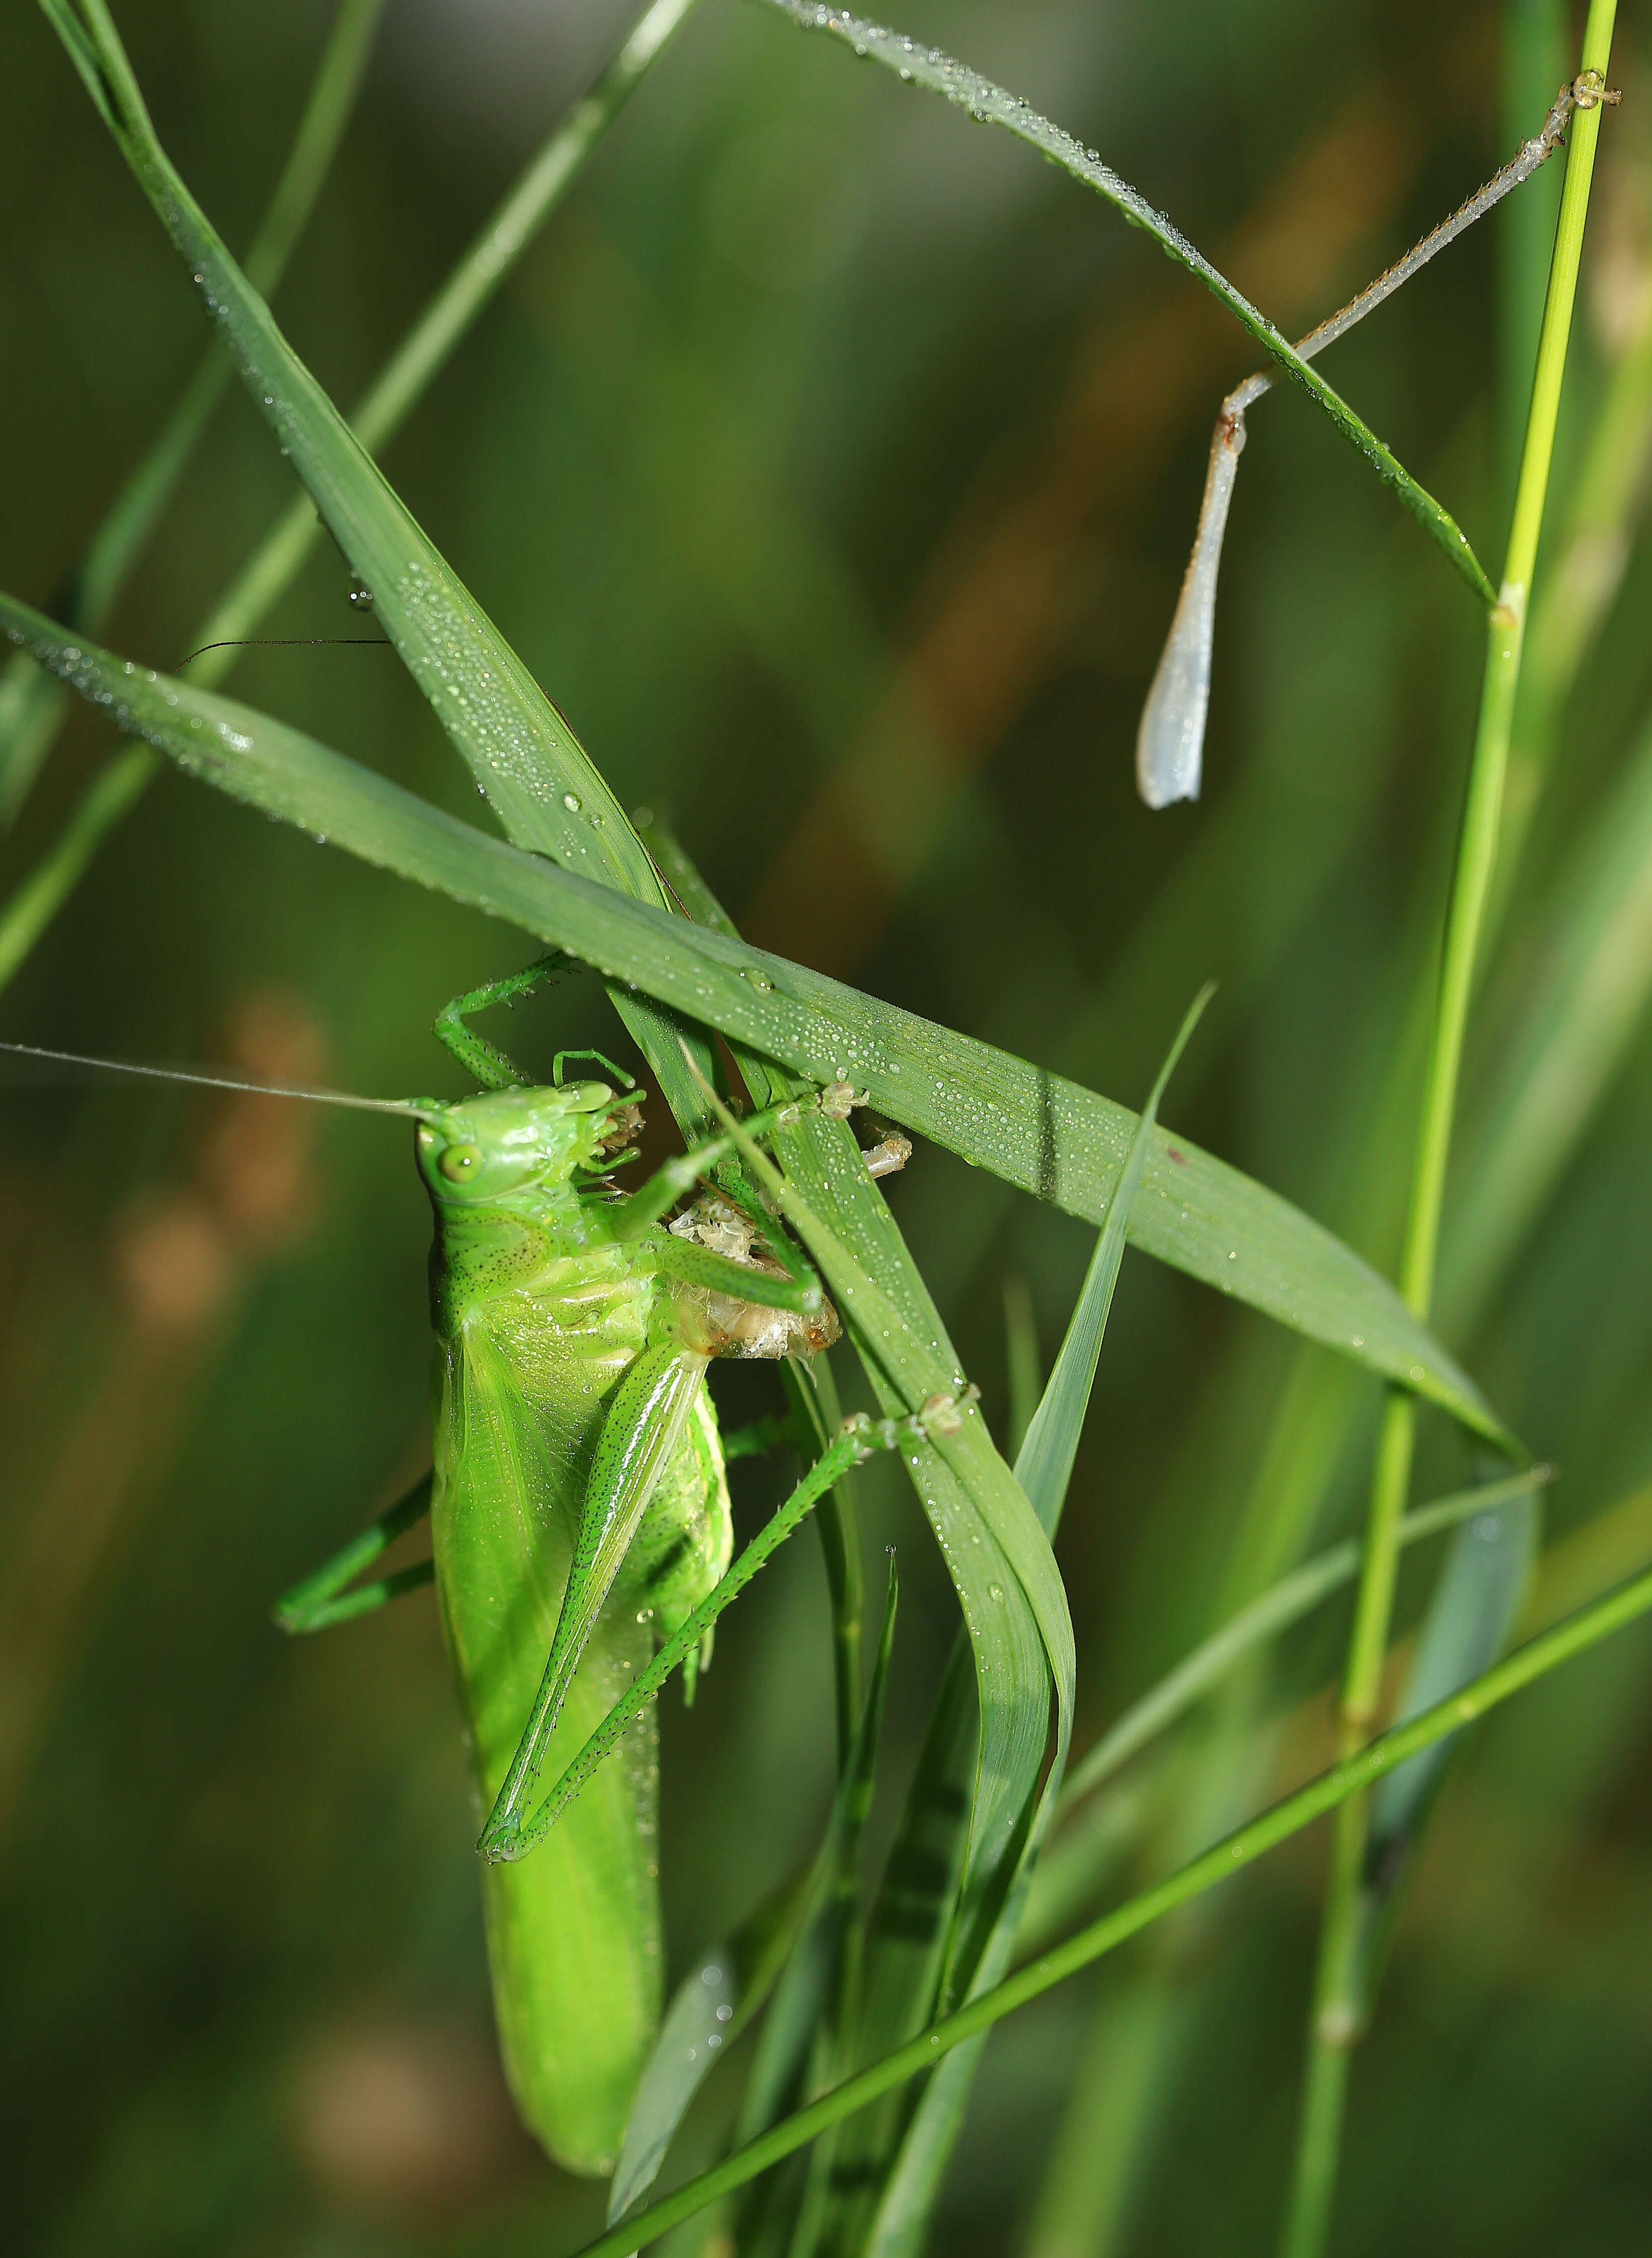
1535 42
1346 1779
401 384
1338 2010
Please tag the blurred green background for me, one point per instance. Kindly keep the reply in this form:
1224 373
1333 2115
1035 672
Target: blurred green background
833 465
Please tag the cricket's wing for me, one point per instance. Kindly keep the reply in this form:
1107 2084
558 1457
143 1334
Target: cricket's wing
641 1438
574 1931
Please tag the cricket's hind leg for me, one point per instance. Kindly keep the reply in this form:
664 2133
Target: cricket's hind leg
490 1065
320 1600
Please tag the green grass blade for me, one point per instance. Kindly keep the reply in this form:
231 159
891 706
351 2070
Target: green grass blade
991 105
1044 1465
519 749
1048 1136
1230 1856
518 746
693 2029
32 704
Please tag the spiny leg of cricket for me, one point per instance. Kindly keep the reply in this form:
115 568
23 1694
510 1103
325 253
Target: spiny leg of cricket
1170 742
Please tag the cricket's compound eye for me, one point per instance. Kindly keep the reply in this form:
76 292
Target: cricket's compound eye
460 1163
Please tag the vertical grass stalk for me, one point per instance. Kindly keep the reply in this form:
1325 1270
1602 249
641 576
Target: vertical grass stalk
1339 2010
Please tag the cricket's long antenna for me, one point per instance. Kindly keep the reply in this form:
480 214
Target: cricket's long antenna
1170 742
405 1107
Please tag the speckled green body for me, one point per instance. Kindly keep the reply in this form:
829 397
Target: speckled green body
541 1313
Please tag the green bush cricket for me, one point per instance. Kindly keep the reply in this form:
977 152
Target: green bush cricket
578 1498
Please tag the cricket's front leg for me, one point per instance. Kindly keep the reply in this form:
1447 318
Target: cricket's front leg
491 1066
642 1433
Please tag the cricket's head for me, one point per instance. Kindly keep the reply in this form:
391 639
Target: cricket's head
481 1150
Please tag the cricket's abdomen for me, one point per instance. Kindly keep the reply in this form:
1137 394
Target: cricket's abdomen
573 1928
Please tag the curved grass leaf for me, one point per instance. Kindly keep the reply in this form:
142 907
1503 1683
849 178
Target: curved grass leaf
1474 1609
1048 1136
692 2031
1094 1836
991 105
517 745
519 749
